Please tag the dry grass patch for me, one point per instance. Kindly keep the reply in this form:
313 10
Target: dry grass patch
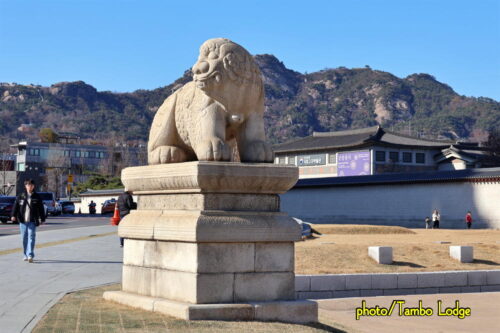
360 229
339 252
87 312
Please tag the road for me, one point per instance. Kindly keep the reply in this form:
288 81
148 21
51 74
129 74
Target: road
60 222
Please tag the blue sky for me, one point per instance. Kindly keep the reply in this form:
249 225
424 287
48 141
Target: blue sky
127 45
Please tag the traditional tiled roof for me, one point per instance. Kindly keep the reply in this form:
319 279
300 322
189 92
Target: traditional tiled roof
467 153
356 138
90 193
469 175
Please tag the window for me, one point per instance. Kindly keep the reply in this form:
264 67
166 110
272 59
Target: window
332 158
394 156
67 153
291 160
380 156
34 152
281 160
91 154
78 153
85 154
21 167
100 154
420 158
407 157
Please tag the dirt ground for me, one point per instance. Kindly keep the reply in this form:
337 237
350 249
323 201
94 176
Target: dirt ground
344 249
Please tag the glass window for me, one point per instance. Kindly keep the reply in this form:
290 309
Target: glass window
21 167
67 153
332 158
291 160
420 158
407 157
380 156
85 154
92 154
394 156
281 160
78 153
34 152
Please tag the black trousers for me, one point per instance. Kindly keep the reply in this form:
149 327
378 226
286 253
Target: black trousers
436 225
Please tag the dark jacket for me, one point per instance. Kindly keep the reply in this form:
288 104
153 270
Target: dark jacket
37 211
125 204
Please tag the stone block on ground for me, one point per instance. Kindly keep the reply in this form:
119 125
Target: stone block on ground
384 281
462 253
303 311
381 254
302 282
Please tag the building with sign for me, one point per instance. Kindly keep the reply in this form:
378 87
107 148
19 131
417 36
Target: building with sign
373 150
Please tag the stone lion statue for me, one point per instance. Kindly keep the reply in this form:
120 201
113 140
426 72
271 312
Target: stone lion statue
224 101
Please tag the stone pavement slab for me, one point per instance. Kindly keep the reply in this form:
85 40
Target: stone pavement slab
28 290
484 318
42 236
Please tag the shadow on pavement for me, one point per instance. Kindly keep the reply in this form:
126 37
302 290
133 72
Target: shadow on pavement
75 262
406 263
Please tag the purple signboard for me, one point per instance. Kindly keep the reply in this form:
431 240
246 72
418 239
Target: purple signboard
355 163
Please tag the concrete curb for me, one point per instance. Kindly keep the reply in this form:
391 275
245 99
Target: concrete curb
357 285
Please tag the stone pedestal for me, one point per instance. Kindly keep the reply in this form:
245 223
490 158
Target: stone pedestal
381 254
208 241
462 253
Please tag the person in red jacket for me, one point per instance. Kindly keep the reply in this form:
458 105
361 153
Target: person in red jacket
468 219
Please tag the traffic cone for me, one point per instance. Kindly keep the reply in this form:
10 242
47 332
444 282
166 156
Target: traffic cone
115 220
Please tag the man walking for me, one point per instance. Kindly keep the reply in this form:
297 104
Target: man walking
28 211
125 205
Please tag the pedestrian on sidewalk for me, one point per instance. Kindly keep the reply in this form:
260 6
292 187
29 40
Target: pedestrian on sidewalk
468 219
125 205
29 212
435 219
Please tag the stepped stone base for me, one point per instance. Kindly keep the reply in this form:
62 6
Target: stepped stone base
299 311
208 241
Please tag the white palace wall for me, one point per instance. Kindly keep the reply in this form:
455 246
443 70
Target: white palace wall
404 205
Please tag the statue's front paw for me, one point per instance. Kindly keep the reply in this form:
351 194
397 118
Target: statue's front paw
167 154
213 149
257 151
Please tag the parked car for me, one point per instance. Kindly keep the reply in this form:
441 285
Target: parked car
6 206
49 200
67 207
108 207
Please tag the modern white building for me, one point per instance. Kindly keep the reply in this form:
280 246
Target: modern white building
71 162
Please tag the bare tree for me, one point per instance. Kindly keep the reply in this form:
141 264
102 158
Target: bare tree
8 176
57 166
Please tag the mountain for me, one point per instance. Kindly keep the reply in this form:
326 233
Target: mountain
296 105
